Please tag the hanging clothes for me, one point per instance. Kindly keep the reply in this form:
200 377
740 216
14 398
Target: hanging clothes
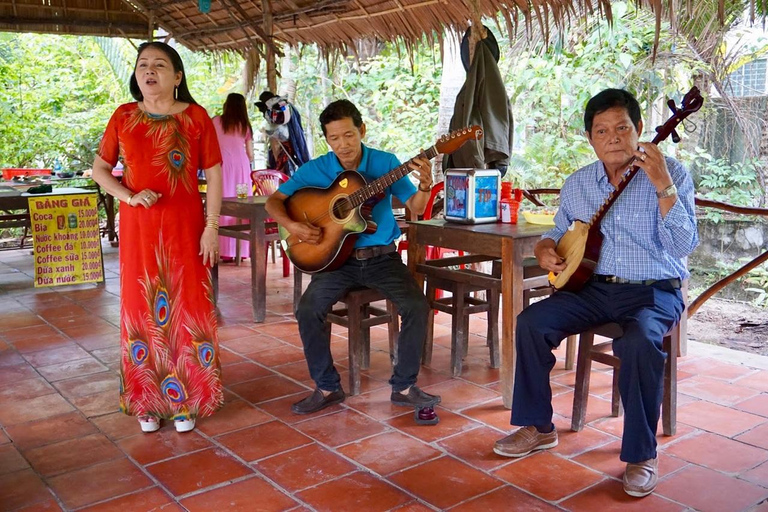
483 101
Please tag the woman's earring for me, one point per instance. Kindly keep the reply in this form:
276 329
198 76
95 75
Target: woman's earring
176 92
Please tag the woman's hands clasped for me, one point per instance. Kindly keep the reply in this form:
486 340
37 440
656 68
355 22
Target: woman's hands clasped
146 198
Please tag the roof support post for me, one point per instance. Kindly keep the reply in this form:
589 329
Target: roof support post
266 6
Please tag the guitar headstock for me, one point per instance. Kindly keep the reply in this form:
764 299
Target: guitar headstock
454 140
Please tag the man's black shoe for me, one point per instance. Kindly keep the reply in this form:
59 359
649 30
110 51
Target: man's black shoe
415 398
316 401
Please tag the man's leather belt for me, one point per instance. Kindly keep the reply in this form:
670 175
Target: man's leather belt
366 253
674 282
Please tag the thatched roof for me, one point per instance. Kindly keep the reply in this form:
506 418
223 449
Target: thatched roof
239 25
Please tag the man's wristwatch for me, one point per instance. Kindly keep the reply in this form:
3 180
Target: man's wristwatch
667 192
425 190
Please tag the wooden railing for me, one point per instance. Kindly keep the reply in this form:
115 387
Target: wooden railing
693 306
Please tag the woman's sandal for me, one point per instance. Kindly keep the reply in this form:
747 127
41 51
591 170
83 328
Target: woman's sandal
149 423
184 425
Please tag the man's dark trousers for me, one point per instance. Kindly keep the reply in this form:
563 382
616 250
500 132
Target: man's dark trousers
645 313
385 273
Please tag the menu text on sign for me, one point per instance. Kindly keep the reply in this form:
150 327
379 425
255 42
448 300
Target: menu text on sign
67 245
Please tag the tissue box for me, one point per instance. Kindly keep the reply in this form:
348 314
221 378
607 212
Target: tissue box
472 195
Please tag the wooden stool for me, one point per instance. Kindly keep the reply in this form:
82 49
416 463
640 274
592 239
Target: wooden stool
602 353
460 305
358 316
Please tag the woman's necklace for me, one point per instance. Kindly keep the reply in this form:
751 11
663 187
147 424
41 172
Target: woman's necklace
159 116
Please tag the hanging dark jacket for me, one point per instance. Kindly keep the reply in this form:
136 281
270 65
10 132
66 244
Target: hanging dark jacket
483 101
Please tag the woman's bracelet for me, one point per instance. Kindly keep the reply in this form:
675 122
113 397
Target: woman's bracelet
128 201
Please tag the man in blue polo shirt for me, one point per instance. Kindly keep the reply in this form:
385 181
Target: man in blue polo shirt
647 234
374 263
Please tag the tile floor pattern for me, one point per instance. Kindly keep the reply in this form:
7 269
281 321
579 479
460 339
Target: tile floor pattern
65 446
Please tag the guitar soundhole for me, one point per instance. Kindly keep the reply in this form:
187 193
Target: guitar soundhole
342 208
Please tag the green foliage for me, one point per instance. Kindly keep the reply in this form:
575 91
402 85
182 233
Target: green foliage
720 180
550 88
398 101
57 94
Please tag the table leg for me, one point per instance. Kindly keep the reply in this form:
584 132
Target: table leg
512 305
416 254
258 269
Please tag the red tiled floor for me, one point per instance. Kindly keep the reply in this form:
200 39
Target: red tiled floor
22 488
25 390
571 443
450 424
340 428
758 475
98 483
756 380
475 448
304 467
243 496
373 455
548 476
609 496
146 448
717 418
281 409
278 436
707 490
11 460
267 388
73 454
148 499
70 352
755 405
717 452
197 471
234 415
389 452
457 394
359 491
33 409
715 390
445 482
506 499
242 372
117 425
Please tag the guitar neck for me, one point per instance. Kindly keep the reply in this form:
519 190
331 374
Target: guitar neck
378 186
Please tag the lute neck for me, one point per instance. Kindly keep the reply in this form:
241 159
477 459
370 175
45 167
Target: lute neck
378 185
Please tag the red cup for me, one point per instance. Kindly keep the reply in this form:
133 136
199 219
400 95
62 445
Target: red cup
506 189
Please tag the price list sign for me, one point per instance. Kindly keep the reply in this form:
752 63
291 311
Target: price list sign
67 244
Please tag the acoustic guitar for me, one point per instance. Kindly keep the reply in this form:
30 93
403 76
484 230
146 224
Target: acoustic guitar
580 246
338 209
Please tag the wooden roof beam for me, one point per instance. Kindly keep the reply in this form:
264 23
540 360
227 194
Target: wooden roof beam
39 22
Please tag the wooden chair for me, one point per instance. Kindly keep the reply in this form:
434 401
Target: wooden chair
432 253
358 316
460 283
265 183
601 352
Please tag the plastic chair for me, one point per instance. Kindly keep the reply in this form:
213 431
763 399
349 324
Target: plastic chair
265 183
433 253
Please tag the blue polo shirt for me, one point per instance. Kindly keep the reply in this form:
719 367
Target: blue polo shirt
321 172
